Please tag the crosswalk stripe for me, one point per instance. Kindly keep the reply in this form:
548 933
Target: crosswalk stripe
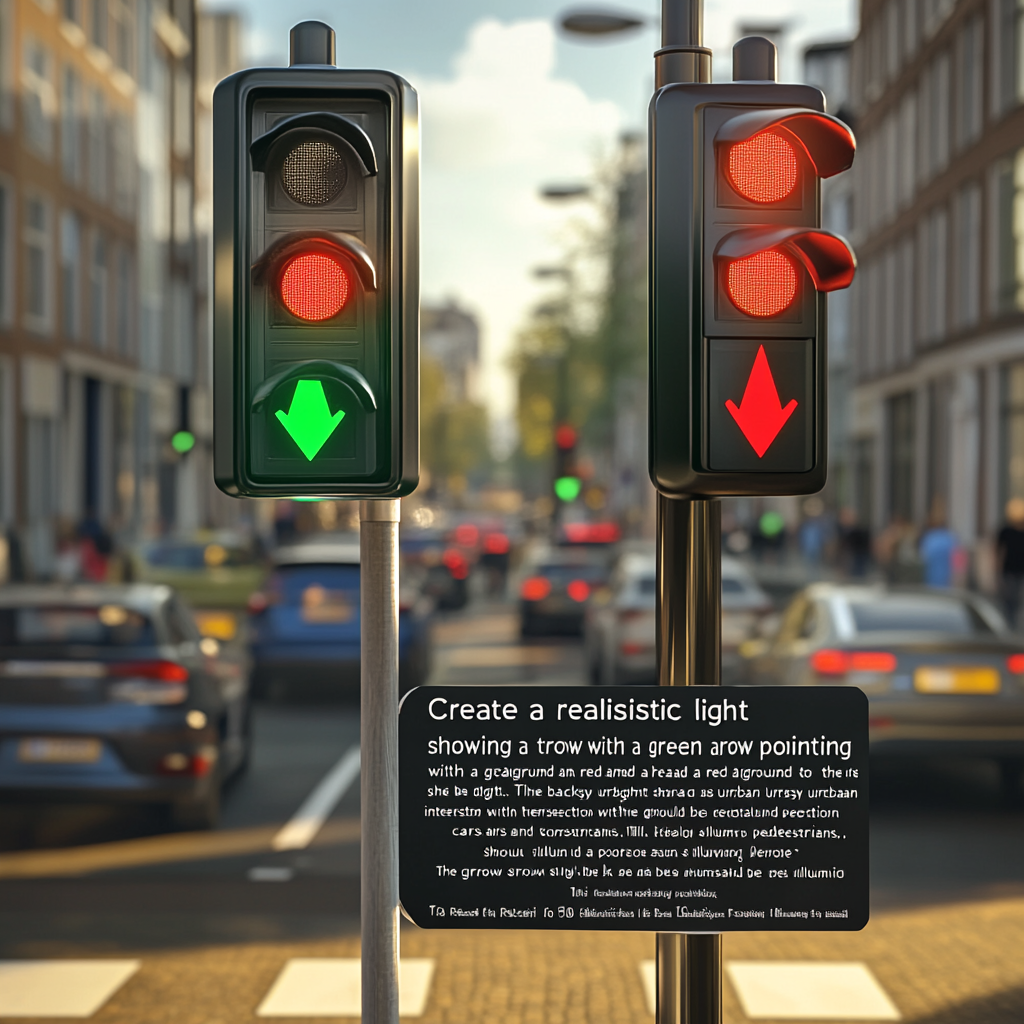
60 988
307 821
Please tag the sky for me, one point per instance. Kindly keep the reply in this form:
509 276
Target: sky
508 104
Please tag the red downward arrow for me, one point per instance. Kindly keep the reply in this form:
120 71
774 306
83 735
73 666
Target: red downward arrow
760 414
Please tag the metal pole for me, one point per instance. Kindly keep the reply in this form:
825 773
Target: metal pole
378 737
689 598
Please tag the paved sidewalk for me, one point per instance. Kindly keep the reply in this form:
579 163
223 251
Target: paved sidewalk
956 964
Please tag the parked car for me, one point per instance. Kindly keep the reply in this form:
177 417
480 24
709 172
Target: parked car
215 572
942 672
108 692
556 586
305 623
620 627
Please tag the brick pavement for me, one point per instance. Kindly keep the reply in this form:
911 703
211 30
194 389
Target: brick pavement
953 964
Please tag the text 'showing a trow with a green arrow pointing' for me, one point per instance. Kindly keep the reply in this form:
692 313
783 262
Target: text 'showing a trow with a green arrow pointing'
309 421
760 414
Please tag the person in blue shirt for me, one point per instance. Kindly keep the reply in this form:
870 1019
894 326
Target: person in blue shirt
938 549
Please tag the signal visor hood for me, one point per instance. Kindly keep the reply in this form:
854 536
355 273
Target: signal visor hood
828 258
827 141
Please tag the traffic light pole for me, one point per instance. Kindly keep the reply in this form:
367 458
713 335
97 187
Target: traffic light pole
378 737
689 597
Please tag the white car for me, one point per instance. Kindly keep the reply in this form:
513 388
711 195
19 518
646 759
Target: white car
619 632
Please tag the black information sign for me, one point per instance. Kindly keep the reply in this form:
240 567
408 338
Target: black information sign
634 808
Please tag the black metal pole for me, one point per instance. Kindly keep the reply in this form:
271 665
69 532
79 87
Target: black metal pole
689 598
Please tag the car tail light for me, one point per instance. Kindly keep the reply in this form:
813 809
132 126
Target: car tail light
456 563
1015 663
830 662
496 544
578 590
164 671
467 535
535 588
196 764
592 533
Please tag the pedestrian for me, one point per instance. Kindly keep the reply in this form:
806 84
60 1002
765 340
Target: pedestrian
1010 559
855 542
938 549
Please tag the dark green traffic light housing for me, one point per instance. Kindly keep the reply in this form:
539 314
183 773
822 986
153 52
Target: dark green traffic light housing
316 279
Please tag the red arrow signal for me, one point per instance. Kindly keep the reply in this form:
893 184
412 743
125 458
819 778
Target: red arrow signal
760 414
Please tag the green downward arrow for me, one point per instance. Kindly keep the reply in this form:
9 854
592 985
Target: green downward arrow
309 421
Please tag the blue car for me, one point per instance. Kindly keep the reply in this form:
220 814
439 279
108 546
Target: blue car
304 625
109 693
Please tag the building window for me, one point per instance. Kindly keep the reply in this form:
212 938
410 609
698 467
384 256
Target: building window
72 11
70 126
37 266
1006 234
97 144
969 57
967 255
934 13
902 456
123 308
6 252
905 297
906 132
932 245
70 275
6 65
39 99
184 98
911 28
1007 46
99 24
1013 431
122 15
98 291
124 165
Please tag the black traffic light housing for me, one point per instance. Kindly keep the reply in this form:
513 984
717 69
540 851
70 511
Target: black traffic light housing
316 268
738 372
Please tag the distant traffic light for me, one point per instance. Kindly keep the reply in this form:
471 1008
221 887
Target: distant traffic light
739 268
316 279
567 481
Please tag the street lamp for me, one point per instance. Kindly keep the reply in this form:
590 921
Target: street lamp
597 22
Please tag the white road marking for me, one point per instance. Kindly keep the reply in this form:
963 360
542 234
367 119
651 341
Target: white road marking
270 873
60 988
332 987
809 991
316 808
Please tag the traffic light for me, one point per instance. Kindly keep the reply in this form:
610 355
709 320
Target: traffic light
567 481
739 271
316 314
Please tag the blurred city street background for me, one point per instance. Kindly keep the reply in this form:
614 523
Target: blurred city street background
179 716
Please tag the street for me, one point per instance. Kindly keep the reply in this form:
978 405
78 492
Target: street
213 917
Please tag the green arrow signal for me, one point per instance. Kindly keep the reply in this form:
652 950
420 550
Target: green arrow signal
309 421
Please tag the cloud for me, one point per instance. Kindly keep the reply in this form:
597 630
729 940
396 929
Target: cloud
503 125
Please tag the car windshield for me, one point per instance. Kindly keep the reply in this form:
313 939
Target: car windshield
561 574
108 625
174 555
917 613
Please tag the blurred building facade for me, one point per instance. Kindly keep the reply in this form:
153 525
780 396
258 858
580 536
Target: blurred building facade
98 317
937 418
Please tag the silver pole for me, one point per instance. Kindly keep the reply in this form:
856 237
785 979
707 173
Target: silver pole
689 597
378 737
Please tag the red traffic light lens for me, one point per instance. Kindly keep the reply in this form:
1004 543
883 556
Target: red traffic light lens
763 284
314 286
565 437
763 168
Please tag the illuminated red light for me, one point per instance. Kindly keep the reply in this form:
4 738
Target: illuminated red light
763 284
535 588
163 671
578 590
565 437
763 168
829 662
314 286
456 563
496 544
1015 663
592 533
467 535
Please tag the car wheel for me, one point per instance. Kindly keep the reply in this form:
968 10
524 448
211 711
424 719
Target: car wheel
198 813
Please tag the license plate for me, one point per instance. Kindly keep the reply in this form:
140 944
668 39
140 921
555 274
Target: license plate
61 750
956 680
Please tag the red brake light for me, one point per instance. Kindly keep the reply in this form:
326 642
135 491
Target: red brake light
496 544
763 284
592 533
456 563
872 661
828 662
763 168
1015 663
467 535
536 588
314 286
578 590
163 671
